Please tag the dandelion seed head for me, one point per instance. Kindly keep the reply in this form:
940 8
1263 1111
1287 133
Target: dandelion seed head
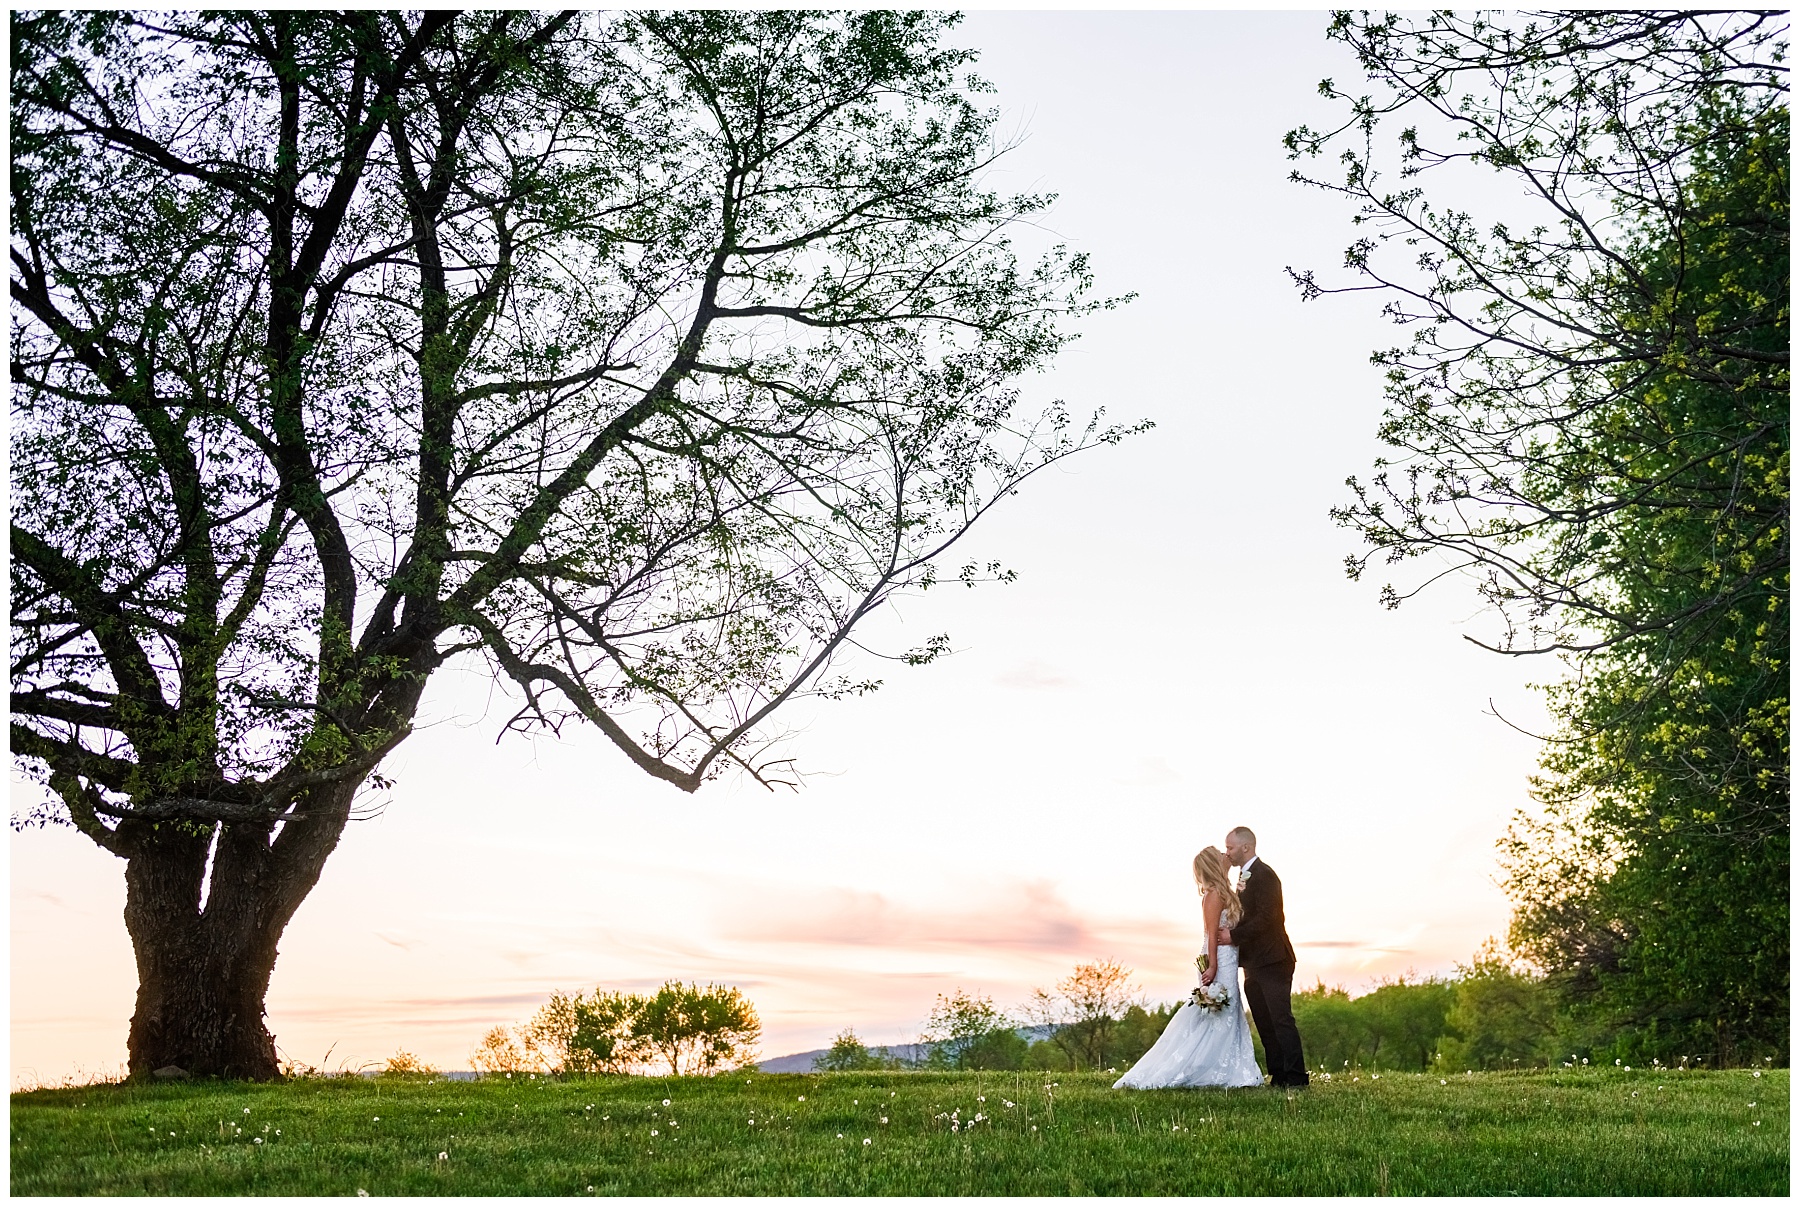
665 1102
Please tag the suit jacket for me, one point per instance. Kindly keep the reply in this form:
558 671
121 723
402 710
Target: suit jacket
1261 934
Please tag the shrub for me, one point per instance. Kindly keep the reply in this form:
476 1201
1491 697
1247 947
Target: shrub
498 1052
405 1064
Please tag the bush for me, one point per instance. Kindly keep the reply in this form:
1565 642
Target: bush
405 1064
498 1052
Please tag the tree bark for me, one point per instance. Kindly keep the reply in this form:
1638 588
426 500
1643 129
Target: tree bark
203 970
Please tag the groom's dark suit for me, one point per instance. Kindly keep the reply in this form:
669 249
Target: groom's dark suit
1267 959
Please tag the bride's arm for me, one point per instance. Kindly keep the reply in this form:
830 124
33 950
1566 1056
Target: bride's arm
1211 907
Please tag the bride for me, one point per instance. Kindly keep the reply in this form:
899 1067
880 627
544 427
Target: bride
1203 1047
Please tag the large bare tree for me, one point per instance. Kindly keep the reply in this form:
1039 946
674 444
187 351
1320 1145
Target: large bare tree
641 357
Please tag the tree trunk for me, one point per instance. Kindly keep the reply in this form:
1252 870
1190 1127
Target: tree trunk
203 970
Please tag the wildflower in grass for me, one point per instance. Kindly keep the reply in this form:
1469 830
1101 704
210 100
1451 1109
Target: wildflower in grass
361 1193
246 1109
884 1118
443 1156
1756 1072
840 1135
867 1141
1441 1081
256 1139
652 1131
665 1102
378 1118
803 1097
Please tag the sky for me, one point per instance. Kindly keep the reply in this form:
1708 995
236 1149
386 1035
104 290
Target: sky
1182 653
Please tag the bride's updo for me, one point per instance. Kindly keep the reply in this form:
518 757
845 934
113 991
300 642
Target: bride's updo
1213 875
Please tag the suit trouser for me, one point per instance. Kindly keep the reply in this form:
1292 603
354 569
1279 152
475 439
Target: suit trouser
1268 989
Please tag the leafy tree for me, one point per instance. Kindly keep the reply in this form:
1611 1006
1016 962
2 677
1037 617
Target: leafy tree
636 357
1404 1021
1503 1018
703 1030
1085 1009
1139 1029
847 1054
967 1031
1592 416
603 1037
1653 885
1332 1028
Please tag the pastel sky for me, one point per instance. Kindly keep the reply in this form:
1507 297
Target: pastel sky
1181 654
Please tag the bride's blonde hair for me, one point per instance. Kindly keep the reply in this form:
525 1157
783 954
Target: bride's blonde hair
1213 875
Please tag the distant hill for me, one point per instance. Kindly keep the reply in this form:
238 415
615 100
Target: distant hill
802 1062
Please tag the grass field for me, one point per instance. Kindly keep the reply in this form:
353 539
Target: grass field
1585 1132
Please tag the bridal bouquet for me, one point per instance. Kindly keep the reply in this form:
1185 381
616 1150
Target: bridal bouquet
1211 998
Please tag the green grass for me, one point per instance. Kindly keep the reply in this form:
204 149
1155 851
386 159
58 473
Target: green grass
1585 1132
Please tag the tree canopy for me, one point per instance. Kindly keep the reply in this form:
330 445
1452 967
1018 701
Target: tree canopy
639 357
1592 417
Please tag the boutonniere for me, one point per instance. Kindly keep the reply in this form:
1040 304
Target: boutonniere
1243 879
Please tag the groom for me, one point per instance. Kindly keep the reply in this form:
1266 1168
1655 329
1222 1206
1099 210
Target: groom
1267 959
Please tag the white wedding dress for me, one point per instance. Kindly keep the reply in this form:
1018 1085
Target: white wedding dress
1201 1047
